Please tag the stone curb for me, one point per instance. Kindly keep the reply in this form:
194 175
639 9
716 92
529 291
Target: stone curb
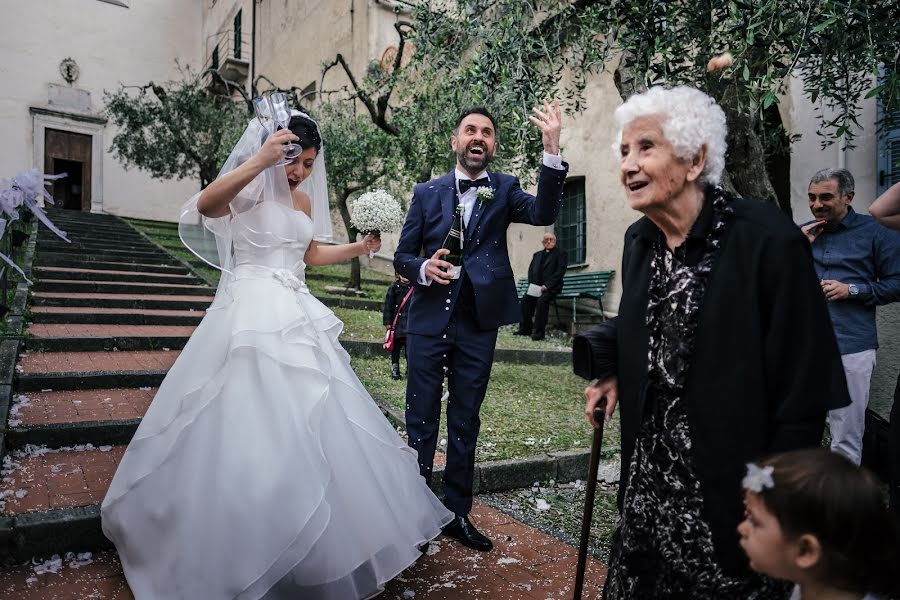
56 435
90 287
105 344
114 245
150 303
502 475
92 381
115 318
35 534
52 258
117 276
109 266
105 248
355 348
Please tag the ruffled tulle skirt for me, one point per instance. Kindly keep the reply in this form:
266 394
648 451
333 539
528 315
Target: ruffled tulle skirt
263 468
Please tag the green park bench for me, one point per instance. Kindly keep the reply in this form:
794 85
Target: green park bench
589 284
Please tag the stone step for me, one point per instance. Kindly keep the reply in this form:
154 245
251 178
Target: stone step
94 233
56 371
93 274
86 315
55 499
143 251
72 407
111 239
135 301
96 274
114 256
107 343
102 579
67 258
72 263
109 287
68 418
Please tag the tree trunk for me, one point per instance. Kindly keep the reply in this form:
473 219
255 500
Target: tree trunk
355 271
746 160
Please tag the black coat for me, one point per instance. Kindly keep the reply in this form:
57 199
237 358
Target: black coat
765 368
392 300
551 274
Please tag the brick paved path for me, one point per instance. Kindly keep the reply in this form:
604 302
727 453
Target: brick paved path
110 315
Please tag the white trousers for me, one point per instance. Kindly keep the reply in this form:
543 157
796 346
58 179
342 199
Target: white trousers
848 424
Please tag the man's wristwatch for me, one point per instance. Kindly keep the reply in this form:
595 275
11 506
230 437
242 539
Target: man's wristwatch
854 291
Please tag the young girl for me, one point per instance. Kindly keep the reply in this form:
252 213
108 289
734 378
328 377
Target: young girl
393 304
819 521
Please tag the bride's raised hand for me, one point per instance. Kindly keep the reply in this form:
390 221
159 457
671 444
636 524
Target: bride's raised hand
371 244
272 150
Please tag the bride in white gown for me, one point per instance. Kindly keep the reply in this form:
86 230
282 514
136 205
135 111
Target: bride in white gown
263 468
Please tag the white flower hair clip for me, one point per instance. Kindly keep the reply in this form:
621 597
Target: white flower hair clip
484 193
758 478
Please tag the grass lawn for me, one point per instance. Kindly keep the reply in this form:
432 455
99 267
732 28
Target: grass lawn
529 409
366 325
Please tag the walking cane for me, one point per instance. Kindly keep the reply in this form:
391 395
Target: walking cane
594 466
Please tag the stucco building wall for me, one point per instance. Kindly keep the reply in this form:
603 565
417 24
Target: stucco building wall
111 44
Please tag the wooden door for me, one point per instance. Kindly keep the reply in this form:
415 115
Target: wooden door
66 152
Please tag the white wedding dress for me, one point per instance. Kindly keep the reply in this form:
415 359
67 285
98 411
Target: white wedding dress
263 468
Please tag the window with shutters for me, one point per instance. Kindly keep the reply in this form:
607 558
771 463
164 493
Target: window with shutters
888 148
571 226
237 35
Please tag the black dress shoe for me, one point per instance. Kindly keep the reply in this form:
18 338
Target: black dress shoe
521 332
462 529
395 371
537 337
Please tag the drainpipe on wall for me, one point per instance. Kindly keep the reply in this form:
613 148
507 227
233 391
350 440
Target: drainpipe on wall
253 47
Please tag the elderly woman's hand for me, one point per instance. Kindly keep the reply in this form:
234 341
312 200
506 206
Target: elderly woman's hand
549 121
594 393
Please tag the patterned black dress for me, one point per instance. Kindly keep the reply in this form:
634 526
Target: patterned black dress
662 546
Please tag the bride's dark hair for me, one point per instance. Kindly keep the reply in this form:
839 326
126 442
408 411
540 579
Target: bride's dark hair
306 130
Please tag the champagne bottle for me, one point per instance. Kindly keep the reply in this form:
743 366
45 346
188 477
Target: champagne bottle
454 243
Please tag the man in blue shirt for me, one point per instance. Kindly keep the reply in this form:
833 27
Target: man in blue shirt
858 263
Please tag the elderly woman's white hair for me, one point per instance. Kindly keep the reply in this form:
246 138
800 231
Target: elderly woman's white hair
690 119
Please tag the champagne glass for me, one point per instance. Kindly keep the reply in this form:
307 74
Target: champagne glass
281 114
266 115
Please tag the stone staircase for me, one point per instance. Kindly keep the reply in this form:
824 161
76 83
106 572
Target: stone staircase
109 314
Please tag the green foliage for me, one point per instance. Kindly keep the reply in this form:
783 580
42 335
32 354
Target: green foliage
514 53
175 129
358 154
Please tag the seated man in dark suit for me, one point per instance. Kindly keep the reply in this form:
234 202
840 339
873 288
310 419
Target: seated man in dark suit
546 272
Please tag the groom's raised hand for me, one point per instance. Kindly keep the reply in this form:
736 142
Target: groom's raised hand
549 121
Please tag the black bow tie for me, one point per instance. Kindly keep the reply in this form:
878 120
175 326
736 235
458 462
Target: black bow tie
466 184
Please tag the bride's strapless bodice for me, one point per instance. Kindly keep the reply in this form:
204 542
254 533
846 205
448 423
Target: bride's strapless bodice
272 236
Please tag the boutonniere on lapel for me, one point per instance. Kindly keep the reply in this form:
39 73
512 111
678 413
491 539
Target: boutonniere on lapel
483 194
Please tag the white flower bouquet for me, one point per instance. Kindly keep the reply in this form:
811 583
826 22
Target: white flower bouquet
375 212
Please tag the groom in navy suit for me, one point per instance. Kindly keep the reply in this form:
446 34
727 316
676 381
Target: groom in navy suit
454 322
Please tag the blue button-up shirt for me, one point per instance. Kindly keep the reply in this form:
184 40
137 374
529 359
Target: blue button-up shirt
862 252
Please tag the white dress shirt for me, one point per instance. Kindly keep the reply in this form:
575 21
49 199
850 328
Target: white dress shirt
554 161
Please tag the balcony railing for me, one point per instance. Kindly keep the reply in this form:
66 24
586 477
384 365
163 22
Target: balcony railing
228 56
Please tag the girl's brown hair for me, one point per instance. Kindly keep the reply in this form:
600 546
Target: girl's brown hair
822 493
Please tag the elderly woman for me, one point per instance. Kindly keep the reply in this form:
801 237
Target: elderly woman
722 352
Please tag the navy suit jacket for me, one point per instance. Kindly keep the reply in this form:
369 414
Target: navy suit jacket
485 256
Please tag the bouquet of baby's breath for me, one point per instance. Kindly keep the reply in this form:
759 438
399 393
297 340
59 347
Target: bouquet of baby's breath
376 212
